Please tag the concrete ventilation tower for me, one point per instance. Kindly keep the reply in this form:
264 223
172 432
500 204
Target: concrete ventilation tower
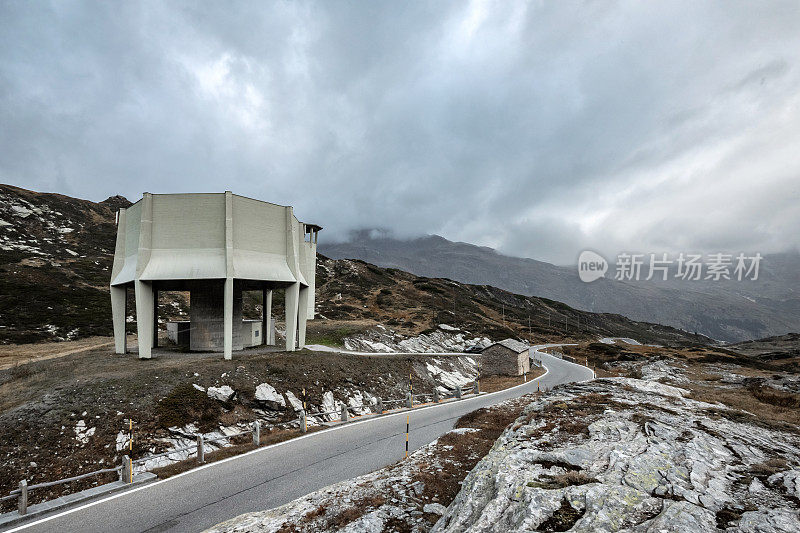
215 246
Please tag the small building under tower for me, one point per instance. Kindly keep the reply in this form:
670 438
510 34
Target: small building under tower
507 357
215 246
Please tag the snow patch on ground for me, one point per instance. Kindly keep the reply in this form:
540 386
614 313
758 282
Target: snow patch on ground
82 432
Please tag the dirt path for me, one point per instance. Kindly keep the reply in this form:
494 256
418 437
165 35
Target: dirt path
17 354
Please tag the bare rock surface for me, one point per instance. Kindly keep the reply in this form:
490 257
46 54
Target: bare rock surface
266 393
625 454
443 340
223 393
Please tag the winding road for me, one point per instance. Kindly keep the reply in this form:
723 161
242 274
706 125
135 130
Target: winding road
274 475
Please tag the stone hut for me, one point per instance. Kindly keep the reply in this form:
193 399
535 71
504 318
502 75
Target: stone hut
507 357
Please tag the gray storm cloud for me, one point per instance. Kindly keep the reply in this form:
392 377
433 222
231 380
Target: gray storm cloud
540 129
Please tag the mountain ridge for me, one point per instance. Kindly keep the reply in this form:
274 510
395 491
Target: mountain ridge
723 311
56 254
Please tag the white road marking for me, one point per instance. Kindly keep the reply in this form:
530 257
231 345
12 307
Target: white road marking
259 450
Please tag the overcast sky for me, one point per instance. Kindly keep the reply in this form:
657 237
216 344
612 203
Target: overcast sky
537 128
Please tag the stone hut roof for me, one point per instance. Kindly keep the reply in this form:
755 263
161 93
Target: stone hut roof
511 344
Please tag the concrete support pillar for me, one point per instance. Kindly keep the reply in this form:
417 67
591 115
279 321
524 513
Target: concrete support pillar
119 300
266 316
302 317
270 330
228 319
144 317
292 298
264 321
155 317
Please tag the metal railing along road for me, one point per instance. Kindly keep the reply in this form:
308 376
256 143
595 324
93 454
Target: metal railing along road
199 447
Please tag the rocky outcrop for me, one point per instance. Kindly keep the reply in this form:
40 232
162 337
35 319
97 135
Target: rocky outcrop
446 339
627 454
267 394
223 393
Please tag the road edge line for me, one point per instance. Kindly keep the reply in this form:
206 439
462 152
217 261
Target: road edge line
257 450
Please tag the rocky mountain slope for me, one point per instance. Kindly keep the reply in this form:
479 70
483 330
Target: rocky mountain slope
627 454
672 440
362 294
56 254
728 311
55 259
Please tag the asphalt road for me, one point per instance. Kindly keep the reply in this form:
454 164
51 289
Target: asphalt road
274 475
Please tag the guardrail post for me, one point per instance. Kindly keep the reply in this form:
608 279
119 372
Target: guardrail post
256 433
436 395
409 400
345 414
23 497
201 449
458 392
303 421
380 406
125 473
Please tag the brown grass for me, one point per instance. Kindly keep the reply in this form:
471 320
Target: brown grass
747 407
496 383
20 354
459 453
769 467
775 397
356 510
